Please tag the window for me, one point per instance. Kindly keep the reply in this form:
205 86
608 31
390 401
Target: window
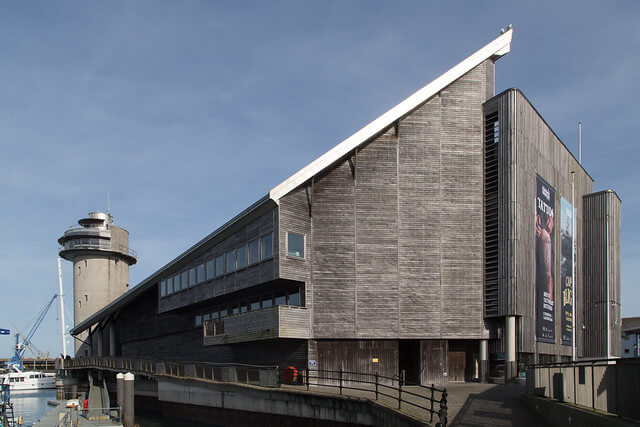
169 285
241 257
295 245
243 307
230 261
294 297
185 279
198 320
176 283
211 270
281 299
267 302
235 309
215 314
163 288
192 277
267 246
220 266
206 317
200 273
254 252
255 304
223 312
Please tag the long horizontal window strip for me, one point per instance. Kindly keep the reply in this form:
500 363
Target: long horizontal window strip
291 297
236 259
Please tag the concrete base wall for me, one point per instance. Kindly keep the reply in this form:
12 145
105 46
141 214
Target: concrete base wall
284 403
556 413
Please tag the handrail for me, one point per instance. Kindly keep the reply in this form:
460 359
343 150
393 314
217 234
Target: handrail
429 400
275 376
586 362
103 245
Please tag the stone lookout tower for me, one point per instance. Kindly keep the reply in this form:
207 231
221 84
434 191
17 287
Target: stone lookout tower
101 258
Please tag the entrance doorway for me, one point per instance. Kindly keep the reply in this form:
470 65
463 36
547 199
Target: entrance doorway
462 355
409 360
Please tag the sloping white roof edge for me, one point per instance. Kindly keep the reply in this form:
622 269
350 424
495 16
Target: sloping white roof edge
495 49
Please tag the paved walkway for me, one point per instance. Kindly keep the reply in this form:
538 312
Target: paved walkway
474 404
52 418
469 404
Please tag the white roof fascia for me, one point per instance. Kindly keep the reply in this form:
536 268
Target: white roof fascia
495 49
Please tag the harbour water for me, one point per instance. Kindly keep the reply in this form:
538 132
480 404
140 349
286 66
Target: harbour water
31 405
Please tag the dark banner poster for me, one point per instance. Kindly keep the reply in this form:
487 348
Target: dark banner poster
545 220
566 270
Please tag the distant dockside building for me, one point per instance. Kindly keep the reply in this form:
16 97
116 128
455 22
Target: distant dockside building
453 238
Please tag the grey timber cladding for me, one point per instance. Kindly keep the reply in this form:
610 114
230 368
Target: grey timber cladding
268 323
250 276
142 332
602 223
395 231
528 146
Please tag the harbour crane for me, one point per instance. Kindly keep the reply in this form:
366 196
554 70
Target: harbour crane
16 361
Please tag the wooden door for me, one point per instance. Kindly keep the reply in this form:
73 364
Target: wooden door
457 361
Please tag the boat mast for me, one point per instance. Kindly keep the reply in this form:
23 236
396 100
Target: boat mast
64 347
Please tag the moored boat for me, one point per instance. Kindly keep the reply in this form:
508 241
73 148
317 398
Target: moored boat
28 380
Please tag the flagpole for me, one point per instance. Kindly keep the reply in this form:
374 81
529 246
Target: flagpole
573 265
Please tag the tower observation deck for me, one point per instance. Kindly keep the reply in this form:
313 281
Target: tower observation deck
101 257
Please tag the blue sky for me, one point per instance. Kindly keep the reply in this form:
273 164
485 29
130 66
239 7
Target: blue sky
187 112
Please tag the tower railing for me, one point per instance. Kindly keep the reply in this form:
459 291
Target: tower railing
96 244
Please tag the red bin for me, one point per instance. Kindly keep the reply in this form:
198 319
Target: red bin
290 375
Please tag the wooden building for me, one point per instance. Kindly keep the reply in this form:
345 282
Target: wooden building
410 246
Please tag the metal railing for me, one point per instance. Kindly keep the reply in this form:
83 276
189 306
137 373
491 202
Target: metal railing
431 399
599 384
97 416
395 389
97 244
266 376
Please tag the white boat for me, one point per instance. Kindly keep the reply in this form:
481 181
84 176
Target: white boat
28 380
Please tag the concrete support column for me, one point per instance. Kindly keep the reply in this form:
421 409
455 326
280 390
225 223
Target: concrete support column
484 361
112 339
128 418
510 368
99 350
120 391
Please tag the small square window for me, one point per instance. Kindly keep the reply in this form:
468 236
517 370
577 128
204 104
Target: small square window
267 302
294 297
235 309
220 266
211 270
230 261
295 245
255 304
281 299
267 246
223 312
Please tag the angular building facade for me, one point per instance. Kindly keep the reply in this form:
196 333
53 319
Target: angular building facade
437 241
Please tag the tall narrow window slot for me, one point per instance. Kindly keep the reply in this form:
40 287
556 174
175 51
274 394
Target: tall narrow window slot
491 141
